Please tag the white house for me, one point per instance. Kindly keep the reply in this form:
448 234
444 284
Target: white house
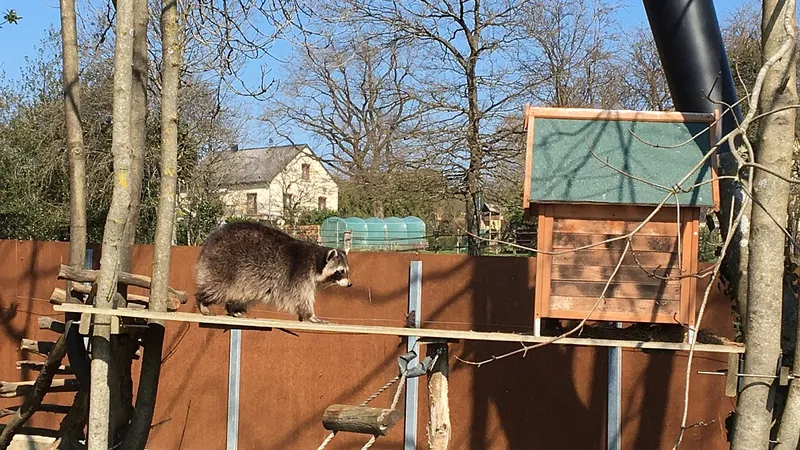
274 183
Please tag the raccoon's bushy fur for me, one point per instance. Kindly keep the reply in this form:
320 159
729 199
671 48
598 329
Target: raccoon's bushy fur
242 263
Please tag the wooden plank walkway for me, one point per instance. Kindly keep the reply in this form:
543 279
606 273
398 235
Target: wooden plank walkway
432 333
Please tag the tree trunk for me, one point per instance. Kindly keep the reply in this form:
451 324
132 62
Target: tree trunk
113 235
473 178
71 431
122 385
138 127
159 291
789 428
74 131
774 149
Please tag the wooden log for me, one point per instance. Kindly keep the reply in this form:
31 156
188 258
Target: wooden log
358 419
89 276
50 323
42 348
39 365
58 409
10 389
439 429
59 297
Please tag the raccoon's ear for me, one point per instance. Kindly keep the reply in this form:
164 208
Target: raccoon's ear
331 255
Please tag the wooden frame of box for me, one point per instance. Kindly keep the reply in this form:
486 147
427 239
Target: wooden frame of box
582 197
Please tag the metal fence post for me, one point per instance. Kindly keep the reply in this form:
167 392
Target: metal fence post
613 421
412 384
234 366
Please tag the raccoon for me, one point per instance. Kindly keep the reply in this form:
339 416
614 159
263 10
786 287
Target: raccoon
242 263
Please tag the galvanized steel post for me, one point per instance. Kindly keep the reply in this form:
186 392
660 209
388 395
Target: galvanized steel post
234 366
412 391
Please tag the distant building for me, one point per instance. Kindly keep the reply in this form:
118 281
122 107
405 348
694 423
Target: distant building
491 218
274 184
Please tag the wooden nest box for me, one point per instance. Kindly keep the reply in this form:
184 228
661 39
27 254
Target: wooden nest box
595 175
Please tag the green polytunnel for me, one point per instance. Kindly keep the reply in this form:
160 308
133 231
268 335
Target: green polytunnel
415 231
376 233
331 232
393 233
359 229
396 235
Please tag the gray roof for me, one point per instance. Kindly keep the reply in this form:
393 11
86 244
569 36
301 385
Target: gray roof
490 207
252 165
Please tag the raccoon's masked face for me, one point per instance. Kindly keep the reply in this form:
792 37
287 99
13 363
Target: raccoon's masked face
337 269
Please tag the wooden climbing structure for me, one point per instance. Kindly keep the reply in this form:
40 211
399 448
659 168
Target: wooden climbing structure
63 364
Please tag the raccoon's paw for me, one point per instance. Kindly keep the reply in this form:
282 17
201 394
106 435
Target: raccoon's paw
315 319
205 311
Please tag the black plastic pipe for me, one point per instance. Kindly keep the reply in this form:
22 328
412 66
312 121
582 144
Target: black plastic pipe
693 56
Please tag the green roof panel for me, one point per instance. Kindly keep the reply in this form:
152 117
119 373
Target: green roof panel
652 155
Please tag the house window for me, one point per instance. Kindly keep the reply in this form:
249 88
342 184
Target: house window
306 172
252 204
322 203
287 204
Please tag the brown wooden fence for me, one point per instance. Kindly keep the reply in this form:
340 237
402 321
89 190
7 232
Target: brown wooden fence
555 398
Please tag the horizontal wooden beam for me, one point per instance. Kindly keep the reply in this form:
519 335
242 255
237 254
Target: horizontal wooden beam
604 114
238 322
90 276
59 297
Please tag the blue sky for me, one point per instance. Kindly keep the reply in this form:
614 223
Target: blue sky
21 41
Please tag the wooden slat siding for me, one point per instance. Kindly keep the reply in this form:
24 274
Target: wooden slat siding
526 192
639 310
543 263
579 272
614 227
591 211
617 292
563 241
604 114
603 257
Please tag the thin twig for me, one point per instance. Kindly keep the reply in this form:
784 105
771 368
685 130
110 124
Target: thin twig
622 172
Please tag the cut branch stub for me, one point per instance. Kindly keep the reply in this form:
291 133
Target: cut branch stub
58 409
39 347
9 389
39 365
359 419
49 323
90 276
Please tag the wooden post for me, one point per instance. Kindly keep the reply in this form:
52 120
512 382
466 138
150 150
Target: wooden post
348 239
439 429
